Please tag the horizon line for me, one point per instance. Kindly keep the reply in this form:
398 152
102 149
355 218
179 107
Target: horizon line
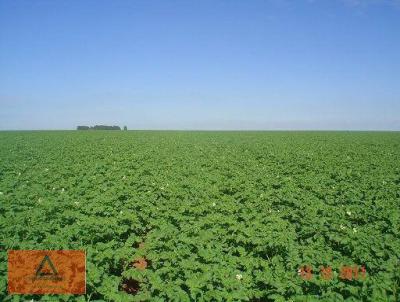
215 130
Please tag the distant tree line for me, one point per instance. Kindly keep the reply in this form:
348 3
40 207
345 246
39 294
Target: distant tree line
100 127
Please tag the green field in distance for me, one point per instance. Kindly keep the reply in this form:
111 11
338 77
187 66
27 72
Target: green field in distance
208 216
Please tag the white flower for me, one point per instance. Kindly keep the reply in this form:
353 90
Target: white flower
76 202
348 213
354 230
162 188
121 212
239 277
342 227
54 188
47 169
19 174
62 190
214 204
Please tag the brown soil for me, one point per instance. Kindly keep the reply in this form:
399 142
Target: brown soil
130 286
140 263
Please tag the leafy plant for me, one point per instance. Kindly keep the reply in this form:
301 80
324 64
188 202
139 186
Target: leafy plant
207 216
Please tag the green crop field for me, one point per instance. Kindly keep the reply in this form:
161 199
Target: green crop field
208 216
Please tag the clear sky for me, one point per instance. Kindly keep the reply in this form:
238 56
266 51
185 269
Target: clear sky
271 64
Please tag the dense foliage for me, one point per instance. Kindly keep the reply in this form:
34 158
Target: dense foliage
99 127
207 216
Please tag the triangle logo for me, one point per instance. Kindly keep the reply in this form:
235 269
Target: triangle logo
46 270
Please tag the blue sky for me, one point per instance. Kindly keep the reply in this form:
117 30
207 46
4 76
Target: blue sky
272 64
